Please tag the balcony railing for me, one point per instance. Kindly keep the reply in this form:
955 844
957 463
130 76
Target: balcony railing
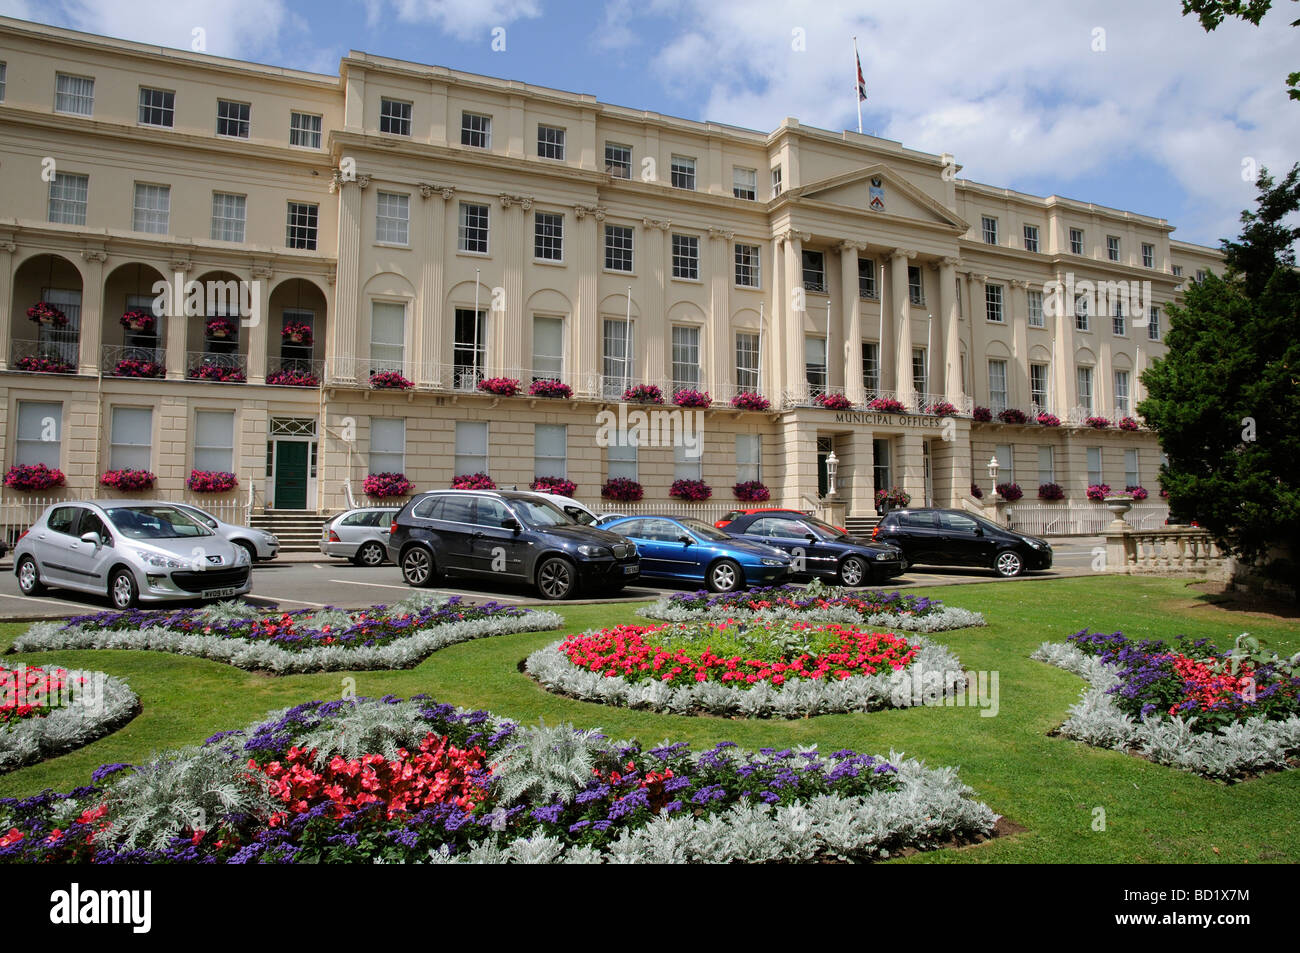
123 361
216 368
814 285
294 372
44 357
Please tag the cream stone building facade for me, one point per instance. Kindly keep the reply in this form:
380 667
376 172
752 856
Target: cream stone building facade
602 246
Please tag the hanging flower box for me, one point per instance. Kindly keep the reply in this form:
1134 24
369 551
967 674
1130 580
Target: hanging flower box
696 491
221 373
751 491
137 320
128 480
1050 491
287 377
1009 491
389 380
557 485
549 387
220 328
1098 492
982 415
130 367
887 405
1013 416
749 400
386 485
473 481
942 408
211 481
1129 423
1097 423
297 333
833 401
42 312
500 386
976 492
623 490
689 397
643 394
1138 493
45 365
35 476
1049 420
893 496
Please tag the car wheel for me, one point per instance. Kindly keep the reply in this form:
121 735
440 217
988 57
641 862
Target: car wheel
371 554
725 576
556 578
250 549
853 572
1008 563
29 577
417 567
123 590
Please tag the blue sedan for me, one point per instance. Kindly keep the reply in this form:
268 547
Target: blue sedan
684 549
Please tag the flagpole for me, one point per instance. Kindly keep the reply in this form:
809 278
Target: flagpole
857 89
880 337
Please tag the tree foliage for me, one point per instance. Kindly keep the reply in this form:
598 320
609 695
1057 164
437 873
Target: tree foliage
1225 398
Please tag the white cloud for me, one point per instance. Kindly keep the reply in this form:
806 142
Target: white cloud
463 19
1015 91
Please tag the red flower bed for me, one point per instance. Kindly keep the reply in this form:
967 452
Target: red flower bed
557 485
44 365
887 405
833 401
128 480
389 380
500 386
211 481
644 394
695 491
623 490
287 377
386 485
748 400
549 387
473 481
689 397
29 692
131 367
36 476
751 491
630 652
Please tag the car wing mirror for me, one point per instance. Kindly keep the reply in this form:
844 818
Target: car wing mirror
684 538
510 523
979 530
92 538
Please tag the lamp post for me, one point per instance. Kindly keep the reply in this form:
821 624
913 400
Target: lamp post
993 476
832 464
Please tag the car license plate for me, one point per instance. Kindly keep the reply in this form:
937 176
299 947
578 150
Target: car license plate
218 593
629 570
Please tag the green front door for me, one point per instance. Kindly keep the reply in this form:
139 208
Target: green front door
290 475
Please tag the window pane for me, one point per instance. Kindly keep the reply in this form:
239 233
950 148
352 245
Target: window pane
68 198
233 119
473 229
550 447
130 438
214 440
471 447
392 218
548 348
387 335
228 215
387 445
618 248
304 130
749 453
152 208
746 360
74 94
40 432
686 357
548 236
157 107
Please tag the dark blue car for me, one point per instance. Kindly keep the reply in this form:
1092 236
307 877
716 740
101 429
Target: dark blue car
688 550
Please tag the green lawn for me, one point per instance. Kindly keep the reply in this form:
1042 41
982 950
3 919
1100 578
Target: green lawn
1049 786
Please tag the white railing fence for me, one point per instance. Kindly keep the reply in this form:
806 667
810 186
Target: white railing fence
1080 519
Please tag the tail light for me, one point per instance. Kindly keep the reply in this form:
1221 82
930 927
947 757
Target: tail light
875 533
334 537
392 528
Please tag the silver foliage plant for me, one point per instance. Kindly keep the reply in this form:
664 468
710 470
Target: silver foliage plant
934 674
941 620
262 656
1228 752
102 706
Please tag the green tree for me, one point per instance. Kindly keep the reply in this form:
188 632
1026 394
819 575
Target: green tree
1212 12
1226 396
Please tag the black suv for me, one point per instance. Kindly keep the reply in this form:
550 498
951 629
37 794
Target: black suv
954 538
522 537
819 549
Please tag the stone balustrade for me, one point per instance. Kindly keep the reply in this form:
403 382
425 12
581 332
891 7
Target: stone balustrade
1173 549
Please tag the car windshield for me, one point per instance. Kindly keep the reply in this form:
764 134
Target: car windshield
825 529
155 522
201 515
536 512
705 530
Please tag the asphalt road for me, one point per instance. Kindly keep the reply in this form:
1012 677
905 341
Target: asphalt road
297 581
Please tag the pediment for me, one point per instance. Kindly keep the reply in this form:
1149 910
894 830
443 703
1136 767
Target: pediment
875 190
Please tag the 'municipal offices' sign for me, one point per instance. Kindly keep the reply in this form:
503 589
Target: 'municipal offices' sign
919 421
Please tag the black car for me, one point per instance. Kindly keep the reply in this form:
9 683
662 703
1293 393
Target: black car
955 538
517 536
820 549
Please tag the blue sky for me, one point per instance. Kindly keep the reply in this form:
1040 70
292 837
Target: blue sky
1120 102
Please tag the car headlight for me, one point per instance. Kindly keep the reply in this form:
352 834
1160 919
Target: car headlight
769 561
1037 545
269 538
159 561
885 556
586 550
241 555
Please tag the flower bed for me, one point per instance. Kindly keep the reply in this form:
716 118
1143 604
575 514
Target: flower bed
942 408
816 602
1138 493
288 377
751 491
389 380
1129 423
748 400
500 386
833 401
128 480
1098 492
643 394
1013 416
47 711
887 405
131 367
473 481
363 780
211 481
1097 423
622 489
305 640
981 415
757 668
385 486
1049 420
221 373
1187 704
689 397
1050 491
550 388
694 491
1009 491
557 485
34 476
37 364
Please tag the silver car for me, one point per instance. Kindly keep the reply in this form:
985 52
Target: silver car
260 545
131 551
359 535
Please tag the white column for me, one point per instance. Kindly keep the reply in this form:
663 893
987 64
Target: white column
343 342
794 309
585 331
949 315
902 302
716 371
429 331
92 310
851 311
7 249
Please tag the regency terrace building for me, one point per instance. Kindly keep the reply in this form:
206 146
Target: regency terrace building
297 242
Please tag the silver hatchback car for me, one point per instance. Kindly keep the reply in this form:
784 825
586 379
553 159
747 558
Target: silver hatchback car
131 551
261 545
359 535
